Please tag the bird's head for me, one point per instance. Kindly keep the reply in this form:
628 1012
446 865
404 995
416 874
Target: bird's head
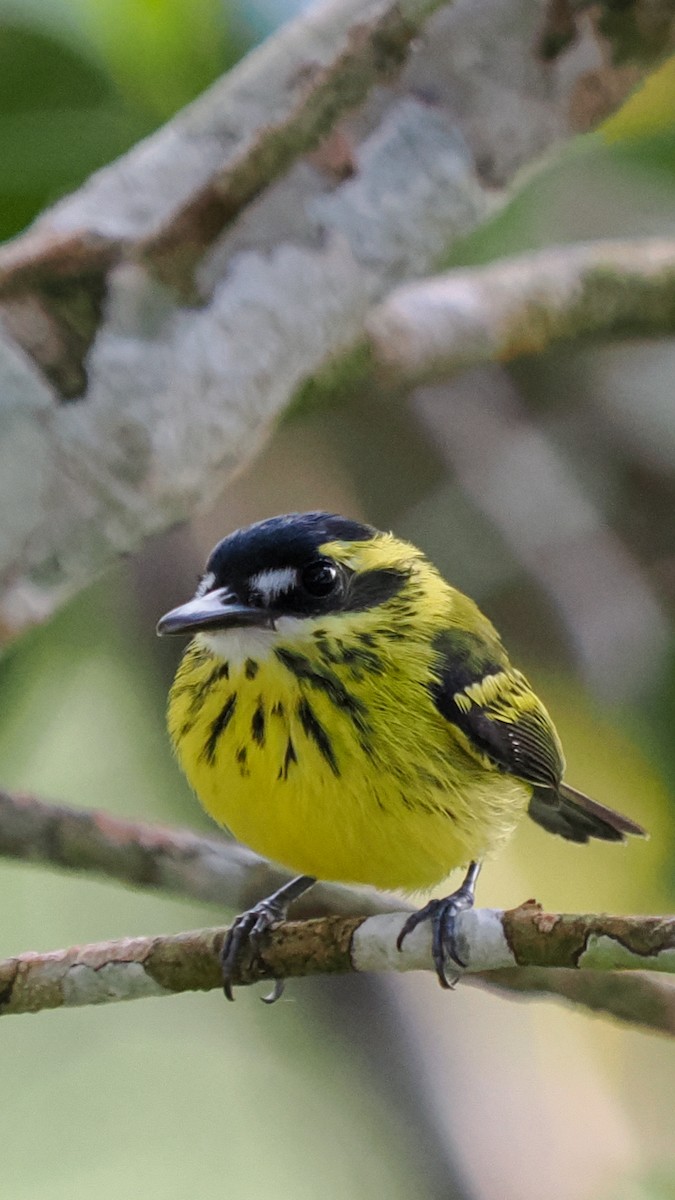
290 574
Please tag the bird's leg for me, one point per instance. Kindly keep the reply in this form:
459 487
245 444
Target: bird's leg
443 916
251 925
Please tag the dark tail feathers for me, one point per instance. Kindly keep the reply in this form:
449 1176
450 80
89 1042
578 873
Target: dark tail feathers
577 817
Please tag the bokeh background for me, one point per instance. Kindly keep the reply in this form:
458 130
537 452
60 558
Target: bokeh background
547 491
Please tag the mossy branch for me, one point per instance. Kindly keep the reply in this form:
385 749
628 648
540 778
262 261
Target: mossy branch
182 863
155 322
489 940
524 305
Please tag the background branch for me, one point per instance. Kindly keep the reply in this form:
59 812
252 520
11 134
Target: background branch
168 398
633 997
301 103
176 861
524 305
489 437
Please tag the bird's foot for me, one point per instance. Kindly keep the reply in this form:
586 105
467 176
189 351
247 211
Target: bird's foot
252 924
249 927
443 917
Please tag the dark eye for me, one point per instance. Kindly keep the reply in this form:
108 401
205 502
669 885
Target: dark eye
319 578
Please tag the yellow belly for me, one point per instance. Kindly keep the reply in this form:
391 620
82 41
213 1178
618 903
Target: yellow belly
378 793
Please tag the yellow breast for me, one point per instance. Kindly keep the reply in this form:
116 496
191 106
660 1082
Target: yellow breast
336 763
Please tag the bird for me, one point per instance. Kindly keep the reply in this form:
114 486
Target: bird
343 710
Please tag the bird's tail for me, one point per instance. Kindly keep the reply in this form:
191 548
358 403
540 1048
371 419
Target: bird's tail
578 818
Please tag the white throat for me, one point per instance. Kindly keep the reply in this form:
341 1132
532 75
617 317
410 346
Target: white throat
236 645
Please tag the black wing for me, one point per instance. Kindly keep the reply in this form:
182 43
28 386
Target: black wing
506 726
495 708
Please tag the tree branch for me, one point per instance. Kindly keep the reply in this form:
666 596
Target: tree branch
524 305
376 46
301 103
168 398
177 861
633 997
216 871
489 940
555 529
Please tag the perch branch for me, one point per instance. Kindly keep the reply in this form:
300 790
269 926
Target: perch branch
488 939
213 870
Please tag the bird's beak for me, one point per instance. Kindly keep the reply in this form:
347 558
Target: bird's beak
216 610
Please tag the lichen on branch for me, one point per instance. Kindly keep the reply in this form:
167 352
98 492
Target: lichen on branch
134 968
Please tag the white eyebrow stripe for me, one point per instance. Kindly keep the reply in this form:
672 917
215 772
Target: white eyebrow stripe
205 584
270 584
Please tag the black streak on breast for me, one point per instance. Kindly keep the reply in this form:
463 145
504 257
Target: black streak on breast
218 727
316 732
258 724
289 757
324 681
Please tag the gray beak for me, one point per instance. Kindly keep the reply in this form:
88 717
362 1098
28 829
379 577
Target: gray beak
216 610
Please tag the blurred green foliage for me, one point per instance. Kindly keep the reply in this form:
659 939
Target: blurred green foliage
82 80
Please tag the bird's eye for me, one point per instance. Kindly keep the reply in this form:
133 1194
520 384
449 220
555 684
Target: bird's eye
319 578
